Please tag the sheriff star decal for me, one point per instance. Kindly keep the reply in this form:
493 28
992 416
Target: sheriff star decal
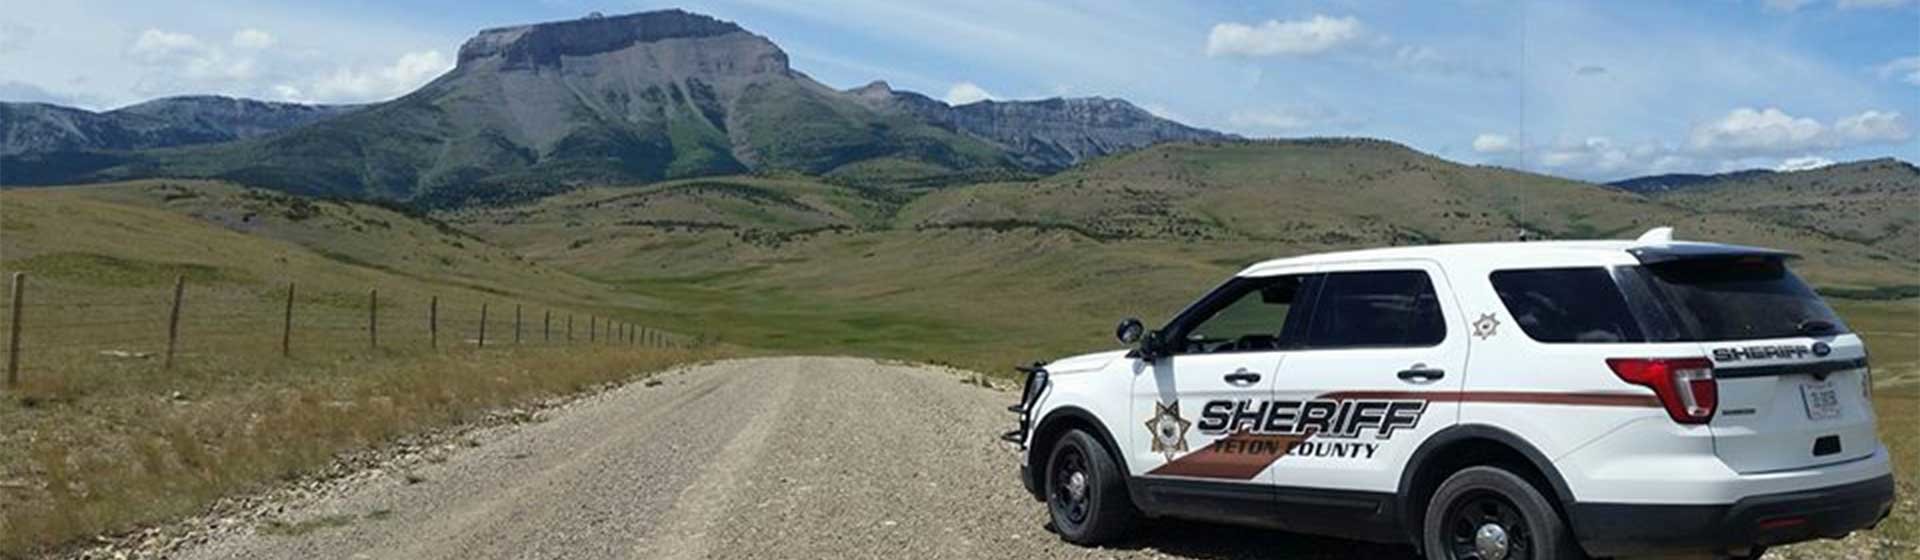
1169 430
1486 326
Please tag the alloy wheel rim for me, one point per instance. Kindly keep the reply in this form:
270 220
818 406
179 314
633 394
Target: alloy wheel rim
1487 526
1071 490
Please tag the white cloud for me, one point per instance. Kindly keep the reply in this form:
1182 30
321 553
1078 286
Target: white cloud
189 57
1271 119
1802 163
409 72
1489 143
1872 127
252 39
1785 5
1770 131
1767 130
1906 69
1314 35
154 45
966 92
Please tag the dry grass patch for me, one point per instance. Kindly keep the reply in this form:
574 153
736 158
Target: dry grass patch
106 461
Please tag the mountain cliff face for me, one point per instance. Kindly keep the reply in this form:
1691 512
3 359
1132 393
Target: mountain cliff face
1047 134
171 121
539 108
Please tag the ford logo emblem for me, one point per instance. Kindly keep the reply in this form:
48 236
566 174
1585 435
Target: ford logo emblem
1821 349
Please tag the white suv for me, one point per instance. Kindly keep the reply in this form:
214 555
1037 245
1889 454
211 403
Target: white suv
1508 400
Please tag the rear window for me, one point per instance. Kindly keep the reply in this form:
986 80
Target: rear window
1695 300
1390 308
1736 299
1567 305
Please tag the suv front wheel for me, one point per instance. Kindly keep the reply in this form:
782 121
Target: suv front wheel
1086 492
1489 513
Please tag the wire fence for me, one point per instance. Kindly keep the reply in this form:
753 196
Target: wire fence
50 326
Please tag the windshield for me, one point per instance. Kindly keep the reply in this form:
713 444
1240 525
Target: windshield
1734 299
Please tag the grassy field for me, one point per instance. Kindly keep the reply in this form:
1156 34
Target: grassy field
980 276
101 437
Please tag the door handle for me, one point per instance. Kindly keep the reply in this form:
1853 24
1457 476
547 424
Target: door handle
1420 373
1242 377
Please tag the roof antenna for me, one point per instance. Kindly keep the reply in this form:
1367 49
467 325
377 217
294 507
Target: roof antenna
1659 235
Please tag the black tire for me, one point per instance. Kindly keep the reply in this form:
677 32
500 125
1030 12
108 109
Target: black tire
1478 497
1100 510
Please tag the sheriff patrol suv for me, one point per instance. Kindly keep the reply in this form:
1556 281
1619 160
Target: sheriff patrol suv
1507 400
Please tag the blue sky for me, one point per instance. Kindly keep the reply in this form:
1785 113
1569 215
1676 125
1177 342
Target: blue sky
1598 90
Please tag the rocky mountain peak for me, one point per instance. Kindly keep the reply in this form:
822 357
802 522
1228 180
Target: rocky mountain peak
877 89
542 44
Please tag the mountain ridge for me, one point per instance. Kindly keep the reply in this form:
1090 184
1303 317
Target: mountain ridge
546 107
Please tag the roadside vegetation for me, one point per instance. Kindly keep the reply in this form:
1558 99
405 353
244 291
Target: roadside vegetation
101 435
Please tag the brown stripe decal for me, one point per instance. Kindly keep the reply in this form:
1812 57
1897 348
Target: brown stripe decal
1514 397
1239 456
1243 455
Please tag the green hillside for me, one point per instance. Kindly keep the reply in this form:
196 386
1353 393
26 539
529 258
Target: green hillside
1874 202
991 273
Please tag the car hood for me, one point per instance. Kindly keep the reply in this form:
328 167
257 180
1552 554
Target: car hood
1084 362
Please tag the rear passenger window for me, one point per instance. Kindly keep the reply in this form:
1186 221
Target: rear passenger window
1567 305
1374 309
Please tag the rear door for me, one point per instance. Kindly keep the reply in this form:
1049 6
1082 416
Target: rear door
1791 378
1379 370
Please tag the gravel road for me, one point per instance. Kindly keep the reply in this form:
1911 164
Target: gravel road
761 458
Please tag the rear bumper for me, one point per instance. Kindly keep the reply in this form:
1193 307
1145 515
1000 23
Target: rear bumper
1763 520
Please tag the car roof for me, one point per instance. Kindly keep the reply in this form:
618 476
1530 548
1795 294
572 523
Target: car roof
1654 247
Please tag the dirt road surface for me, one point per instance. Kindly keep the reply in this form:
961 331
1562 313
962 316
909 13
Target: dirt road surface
762 458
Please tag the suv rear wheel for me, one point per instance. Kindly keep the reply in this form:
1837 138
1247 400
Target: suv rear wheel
1489 513
1086 493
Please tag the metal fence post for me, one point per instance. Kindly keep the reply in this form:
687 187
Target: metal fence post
483 325
433 322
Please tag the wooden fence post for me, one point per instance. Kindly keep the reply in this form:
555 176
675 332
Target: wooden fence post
593 324
13 337
173 319
373 319
286 327
546 326
483 325
569 327
433 322
516 323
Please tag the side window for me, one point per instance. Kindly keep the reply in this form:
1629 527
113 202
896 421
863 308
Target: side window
1567 304
1246 315
1387 308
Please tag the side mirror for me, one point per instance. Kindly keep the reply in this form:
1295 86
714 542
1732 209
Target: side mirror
1129 331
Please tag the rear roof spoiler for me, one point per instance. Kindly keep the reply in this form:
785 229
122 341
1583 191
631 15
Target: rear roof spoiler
1657 246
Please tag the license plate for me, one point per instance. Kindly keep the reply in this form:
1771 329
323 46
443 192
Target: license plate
1822 400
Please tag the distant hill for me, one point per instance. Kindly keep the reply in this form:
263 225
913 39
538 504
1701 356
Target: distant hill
1873 202
658 95
170 121
1677 181
1047 134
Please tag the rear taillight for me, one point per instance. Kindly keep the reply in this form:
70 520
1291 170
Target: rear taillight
1685 385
